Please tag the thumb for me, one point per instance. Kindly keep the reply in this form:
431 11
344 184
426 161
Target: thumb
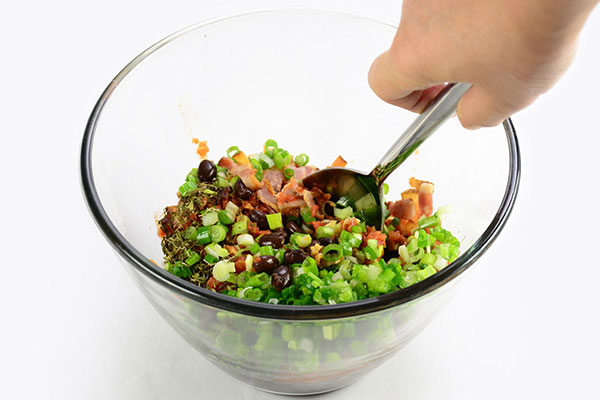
480 108
395 81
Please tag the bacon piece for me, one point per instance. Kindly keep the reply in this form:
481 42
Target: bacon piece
245 171
395 240
291 196
267 196
214 284
228 163
406 227
301 172
348 223
240 264
275 179
241 158
402 209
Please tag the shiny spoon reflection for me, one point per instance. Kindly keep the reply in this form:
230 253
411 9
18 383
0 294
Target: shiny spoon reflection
365 191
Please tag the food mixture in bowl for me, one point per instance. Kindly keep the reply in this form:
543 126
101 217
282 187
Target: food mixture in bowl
246 227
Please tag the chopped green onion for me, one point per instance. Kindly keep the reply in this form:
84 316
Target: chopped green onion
370 253
309 265
282 158
192 176
225 218
210 259
218 233
222 270
301 160
300 239
267 251
325 232
270 147
239 227
187 188
254 248
180 270
249 262
403 253
333 252
343 213
222 182
279 255
429 259
347 248
360 228
245 240
354 239
256 164
210 218
288 173
386 188
203 235
193 258
216 250
232 209
307 215
232 151
428 222
440 263
190 233
275 221
265 160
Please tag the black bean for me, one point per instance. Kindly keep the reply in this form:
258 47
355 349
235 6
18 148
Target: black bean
294 256
265 264
207 171
275 239
325 241
260 218
328 208
241 190
292 227
281 278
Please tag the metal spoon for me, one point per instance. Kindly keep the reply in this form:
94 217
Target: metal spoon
365 191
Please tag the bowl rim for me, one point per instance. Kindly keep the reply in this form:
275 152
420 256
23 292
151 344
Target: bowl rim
276 311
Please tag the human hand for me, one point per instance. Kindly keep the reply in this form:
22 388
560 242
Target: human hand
511 51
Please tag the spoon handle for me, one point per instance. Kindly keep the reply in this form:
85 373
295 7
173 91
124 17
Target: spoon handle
435 114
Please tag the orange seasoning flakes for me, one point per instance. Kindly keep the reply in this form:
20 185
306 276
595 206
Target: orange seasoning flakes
339 162
202 148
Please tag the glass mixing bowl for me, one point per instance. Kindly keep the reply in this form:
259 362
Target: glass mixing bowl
298 76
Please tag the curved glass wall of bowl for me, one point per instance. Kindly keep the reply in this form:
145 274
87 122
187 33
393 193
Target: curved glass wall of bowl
231 81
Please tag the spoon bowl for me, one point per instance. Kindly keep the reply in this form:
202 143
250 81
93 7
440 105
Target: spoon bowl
364 192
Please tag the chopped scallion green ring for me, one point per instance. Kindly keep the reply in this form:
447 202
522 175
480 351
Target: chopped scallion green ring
288 173
301 160
232 151
333 252
218 233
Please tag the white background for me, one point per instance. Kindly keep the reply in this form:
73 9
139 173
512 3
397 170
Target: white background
525 321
